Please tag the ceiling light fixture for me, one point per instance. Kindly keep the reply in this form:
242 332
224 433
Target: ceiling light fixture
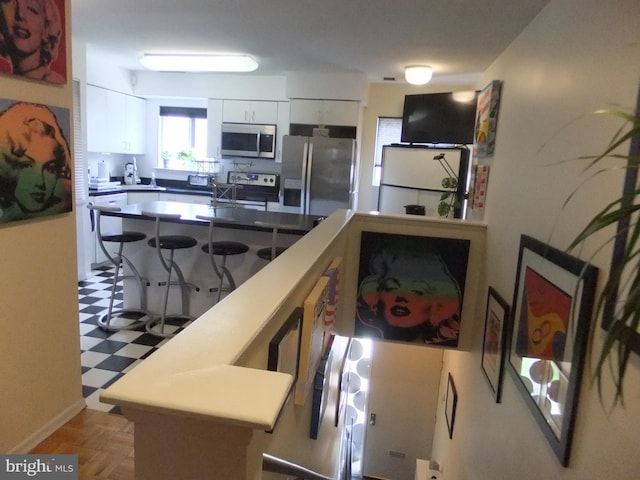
198 63
418 74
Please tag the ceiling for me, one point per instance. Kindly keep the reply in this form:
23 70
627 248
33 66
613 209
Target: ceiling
377 38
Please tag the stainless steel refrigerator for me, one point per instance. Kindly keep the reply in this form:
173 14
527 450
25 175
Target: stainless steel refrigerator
317 174
412 175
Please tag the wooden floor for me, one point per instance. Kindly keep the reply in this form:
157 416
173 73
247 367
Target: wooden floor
102 441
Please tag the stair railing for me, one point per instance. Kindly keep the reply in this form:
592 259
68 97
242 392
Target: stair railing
278 465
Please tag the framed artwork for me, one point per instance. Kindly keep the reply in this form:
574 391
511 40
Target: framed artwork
284 350
450 405
284 347
35 179
411 288
552 309
333 273
495 339
480 181
487 120
37 49
321 390
623 233
312 338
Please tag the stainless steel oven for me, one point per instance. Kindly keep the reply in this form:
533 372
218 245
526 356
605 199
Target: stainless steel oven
248 140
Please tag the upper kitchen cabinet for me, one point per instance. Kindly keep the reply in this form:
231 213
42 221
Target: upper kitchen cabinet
324 112
116 123
250 111
214 127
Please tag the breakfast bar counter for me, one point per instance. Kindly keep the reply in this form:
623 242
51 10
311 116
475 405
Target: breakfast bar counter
235 224
243 218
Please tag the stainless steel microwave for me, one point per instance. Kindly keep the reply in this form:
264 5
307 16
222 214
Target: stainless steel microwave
248 140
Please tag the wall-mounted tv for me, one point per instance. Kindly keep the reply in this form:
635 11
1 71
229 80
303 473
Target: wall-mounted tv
438 118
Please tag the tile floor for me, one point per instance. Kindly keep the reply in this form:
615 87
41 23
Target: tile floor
106 356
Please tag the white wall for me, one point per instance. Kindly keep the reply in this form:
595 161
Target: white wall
39 345
575 57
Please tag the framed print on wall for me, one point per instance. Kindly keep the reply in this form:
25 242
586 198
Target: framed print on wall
411 288
312 338
487 120
35 179
552 310
495 338
451 405
284 351
36 47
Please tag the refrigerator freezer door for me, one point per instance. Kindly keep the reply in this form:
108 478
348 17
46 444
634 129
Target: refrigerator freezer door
330 181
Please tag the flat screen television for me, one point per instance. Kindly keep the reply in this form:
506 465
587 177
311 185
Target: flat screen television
438 118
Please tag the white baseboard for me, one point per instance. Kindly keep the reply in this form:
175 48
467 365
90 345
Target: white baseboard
54 424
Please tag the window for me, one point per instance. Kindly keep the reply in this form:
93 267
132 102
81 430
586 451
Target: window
389 130
182 137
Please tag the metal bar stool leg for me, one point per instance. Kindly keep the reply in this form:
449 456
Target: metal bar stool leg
170 243
126 318
222 249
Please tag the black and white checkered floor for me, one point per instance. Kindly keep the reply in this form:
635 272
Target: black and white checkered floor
106 356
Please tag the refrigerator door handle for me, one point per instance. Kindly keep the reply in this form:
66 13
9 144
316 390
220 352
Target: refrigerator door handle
307 177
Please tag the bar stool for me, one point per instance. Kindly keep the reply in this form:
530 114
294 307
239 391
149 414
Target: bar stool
170 243
222 248
127 318
269 253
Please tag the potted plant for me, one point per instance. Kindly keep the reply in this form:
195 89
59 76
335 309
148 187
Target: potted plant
186 157
449 199
619 301
166 157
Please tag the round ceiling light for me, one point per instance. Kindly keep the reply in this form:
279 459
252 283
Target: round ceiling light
418 74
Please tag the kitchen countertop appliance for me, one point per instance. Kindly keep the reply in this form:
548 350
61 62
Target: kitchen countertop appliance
317 174
248 140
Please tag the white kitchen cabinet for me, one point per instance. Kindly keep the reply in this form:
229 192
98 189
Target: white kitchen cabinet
324 112
107 224
250 111
214 128
282 128
185 198
116 123
136 125
141 197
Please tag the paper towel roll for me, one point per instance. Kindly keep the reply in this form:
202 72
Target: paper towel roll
103 170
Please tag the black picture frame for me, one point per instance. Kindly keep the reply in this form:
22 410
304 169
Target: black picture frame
629 188
451 404
494 341
284 350
552 309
